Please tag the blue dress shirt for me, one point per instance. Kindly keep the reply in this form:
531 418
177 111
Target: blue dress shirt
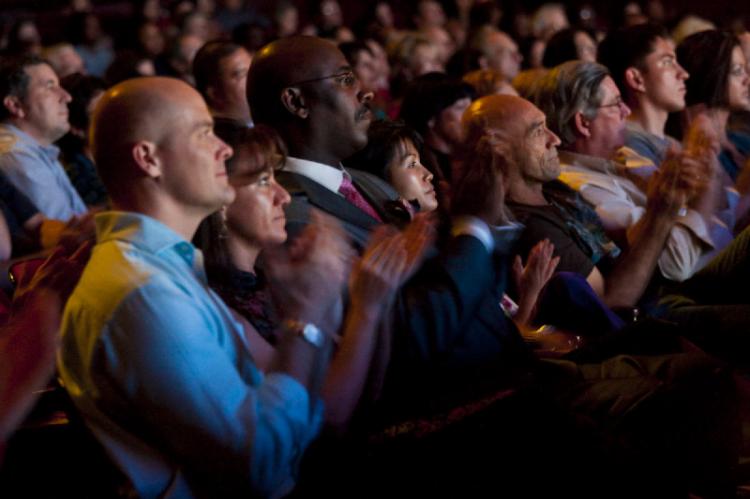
36 171
163 375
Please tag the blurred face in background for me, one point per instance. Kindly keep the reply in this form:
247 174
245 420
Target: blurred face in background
738 83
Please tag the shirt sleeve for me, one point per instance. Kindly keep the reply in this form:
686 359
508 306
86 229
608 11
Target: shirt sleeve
18 166
17 203
199 401
688 239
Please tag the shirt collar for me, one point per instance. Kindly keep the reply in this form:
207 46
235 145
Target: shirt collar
142 231
51 151
328 176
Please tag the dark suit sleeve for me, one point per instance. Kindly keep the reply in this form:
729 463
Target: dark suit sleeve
436 307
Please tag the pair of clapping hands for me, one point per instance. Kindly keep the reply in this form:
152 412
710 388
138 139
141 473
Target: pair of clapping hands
308 277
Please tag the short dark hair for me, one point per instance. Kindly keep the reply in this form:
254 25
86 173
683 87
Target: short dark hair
207 60
428 95
707 56
627 48
383 140
262 137
14 80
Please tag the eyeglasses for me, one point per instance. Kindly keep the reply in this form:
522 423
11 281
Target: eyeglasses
346 79
618 103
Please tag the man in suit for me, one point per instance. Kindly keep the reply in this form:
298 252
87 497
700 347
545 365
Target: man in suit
306 90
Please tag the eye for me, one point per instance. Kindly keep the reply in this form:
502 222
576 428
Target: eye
265 180
348 79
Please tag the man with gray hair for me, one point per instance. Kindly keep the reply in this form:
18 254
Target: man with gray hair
584 108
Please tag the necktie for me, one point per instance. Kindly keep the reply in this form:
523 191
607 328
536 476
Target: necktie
352 195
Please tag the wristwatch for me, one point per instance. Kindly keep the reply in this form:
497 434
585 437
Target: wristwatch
307 331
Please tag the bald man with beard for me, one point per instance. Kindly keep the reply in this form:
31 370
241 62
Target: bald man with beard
152 358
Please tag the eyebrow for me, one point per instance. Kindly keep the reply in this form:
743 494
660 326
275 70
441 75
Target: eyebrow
203 124
534 126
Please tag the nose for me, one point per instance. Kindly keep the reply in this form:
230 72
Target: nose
281 195
682 74
426 174
65 95
624 110
553 139
365 97
225 151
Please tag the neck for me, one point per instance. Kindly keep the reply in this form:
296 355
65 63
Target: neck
651 119
31 131
522 191
242 254
180 219
312 153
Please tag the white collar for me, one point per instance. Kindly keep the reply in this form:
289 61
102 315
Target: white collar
328 176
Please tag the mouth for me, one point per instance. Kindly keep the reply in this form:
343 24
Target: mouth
364 114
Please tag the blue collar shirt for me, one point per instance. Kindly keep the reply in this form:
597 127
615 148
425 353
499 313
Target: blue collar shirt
36 171
163 375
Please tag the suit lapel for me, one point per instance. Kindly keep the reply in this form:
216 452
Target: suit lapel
325 200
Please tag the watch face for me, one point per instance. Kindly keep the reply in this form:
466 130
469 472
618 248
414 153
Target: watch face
314 335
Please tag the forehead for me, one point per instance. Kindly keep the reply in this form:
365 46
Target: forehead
608 89
324 60
661 47
529 116
405 147
41 73
239 57
738 57
502 40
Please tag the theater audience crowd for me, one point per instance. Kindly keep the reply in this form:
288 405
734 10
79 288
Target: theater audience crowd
441 247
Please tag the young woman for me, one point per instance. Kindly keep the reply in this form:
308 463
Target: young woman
718 85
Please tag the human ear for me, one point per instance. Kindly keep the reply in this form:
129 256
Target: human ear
634 79
144 155
582 124
14 106
294 102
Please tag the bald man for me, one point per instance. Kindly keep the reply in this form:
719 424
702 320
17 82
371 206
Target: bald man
304 88
151 357
551 211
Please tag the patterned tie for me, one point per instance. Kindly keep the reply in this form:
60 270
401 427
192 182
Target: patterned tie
352 195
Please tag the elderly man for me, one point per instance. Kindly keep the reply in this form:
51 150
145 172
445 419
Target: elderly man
220 70
514 155
532 164
34 114
584 108
152 358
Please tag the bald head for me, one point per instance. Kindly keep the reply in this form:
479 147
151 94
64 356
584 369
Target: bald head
497 115
141 109
516 130
280 64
